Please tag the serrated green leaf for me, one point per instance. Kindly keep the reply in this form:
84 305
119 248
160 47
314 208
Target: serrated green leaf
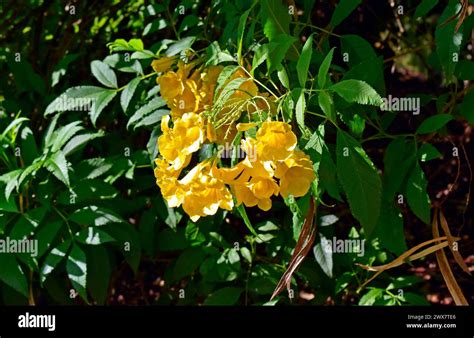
300 110
57 165
424 7
428 152
99 271
73 98
276 18
448 41
104 74
433 123
357 91
188 262
54 258
63 134
302 66
76 268
466 107
180 46
93 236
101 101
323 70
94 215
360 181
389 228
78 141
224 296
283 77
342 11
12 274
326 105
417 196
146 110
128 92
323 254
398 160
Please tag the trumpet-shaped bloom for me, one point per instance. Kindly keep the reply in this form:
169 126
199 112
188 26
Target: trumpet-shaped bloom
296 175
163 64
176 145
275 141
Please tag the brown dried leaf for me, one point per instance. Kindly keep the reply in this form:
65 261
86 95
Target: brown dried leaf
446 271
457 256
303 246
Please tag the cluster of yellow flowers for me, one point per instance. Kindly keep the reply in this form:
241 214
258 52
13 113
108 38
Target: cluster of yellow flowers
272 166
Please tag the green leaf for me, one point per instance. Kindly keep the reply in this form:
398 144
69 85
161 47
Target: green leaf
57 165
12 274
248 224
8 205
188 262
13 126
302 66
11 181
46 235
424 7
152 119
128 92
276 18
323 254
97 216
145 110
323 70
357 91
128 241
389 228
415 299
398 160
99 271
371 297
180 46
357 50
64 134
224 296
76 268
465 70
283 77
417 197
466 107
428 152
300 109
104 74
433 123
342 11
240 33
327 175
73 98
360 181
79 141
93 236
273 52
326 105
448 42
102 99
29 150
54 258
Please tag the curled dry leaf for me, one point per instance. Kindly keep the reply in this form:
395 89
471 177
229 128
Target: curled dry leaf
446 271
303 246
